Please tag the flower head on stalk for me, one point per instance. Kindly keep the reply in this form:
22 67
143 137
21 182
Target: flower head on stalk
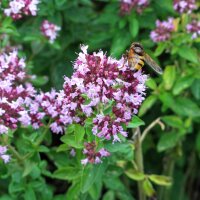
16 94
97 81
184 6
18 8
163 30
194 28
127 5
49 30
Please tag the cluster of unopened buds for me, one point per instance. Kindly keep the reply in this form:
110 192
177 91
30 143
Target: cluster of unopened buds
127 5
194 28
163 30
184 6
49 30
18 8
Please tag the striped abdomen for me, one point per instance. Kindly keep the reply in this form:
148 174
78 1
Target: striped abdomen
135 61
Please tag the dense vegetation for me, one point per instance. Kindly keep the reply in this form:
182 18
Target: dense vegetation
103 148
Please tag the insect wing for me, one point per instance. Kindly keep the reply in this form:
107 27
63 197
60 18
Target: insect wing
152 64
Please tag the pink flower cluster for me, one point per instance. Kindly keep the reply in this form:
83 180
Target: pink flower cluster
49 30
96 83
16 95
128 5
18 8
3 155
92 155
184 6
163 30
194 28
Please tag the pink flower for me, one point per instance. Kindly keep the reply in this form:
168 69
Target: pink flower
49 30
16 95
91 87
163 30
184 6
18 8
3 156
73 152
92 155
127 5
194 28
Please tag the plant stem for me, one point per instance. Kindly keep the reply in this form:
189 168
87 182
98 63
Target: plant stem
15 153
168 171
139 162
40 140
13 150
146 131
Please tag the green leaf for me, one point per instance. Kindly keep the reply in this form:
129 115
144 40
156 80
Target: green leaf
135 175
197 142
135 122
182 83
168 141
67 173
188 53
43 148
95 190
133 27
40 80
110 195
92 174
160 48
60 3
160 180
79 132
173 120
186 107
28 168
62 147
169 77
151 83
167 99
148 188
120 43
196 88
124 150
114 183
37 46
147 104
70 129
71 141
74 191
29 194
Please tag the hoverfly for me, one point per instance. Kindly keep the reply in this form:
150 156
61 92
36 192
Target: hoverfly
136 56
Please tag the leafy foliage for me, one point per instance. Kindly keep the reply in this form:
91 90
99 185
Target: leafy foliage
42 164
